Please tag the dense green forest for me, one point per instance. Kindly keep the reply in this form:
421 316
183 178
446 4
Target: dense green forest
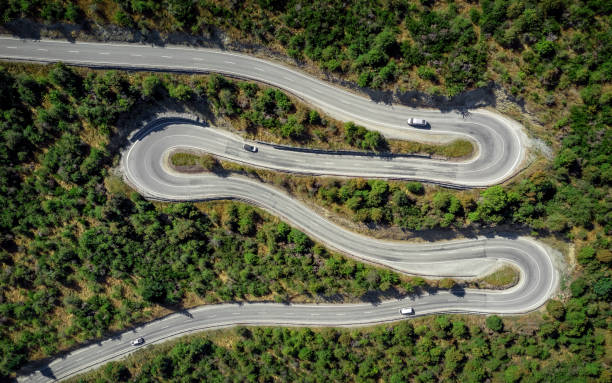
80 255
538 50
447 348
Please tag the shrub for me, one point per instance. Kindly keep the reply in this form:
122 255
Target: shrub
555 309
415 187
427 73
495 323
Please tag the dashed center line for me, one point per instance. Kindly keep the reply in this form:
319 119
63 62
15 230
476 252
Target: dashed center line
229 62
104 53
42 49
73 51
12 47
197 59
259 69
135 55
167 57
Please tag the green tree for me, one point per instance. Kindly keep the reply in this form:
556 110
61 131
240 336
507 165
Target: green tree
555 309
495 323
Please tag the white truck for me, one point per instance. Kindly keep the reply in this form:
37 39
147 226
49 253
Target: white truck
407 311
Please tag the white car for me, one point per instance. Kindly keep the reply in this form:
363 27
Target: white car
417 122
407 311
137 342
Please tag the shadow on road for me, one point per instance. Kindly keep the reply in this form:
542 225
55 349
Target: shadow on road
458 291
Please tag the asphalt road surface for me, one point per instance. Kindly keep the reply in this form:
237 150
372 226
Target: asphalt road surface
500 141
501 149
144 164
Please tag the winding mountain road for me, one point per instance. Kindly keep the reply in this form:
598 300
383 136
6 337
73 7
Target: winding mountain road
144 165
500 141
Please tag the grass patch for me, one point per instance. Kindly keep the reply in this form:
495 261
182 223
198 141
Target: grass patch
115 185
505 277
191 161
455 149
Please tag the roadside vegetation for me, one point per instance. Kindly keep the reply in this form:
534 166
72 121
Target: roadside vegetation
444 348
189 162
268 114
80 256
504 277
543 53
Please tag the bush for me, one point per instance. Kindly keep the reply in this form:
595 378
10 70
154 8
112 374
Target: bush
293 129
415 188
427 73
555 309
603 288
495 323
585 255
578 287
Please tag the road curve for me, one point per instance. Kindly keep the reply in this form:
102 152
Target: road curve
501 149
145 167
501 142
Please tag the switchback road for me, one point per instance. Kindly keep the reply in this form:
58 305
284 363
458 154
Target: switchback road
500 141
144 164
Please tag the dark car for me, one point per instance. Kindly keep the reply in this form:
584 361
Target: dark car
250 148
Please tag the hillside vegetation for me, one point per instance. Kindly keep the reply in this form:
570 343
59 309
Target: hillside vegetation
541 52
447 348
82 255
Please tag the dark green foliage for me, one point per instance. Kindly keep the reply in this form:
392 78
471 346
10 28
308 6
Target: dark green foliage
73 231
555 309
495 323
363 38
360 137
389 353
572 194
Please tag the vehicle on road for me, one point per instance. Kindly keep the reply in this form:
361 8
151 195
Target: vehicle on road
407 311
417 122
250 148
137 342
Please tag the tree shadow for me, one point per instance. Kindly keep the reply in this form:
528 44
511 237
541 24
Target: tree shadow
473 232
376 297
47 373
458 290
130 126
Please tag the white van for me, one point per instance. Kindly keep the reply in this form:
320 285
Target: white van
407 311
417 122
